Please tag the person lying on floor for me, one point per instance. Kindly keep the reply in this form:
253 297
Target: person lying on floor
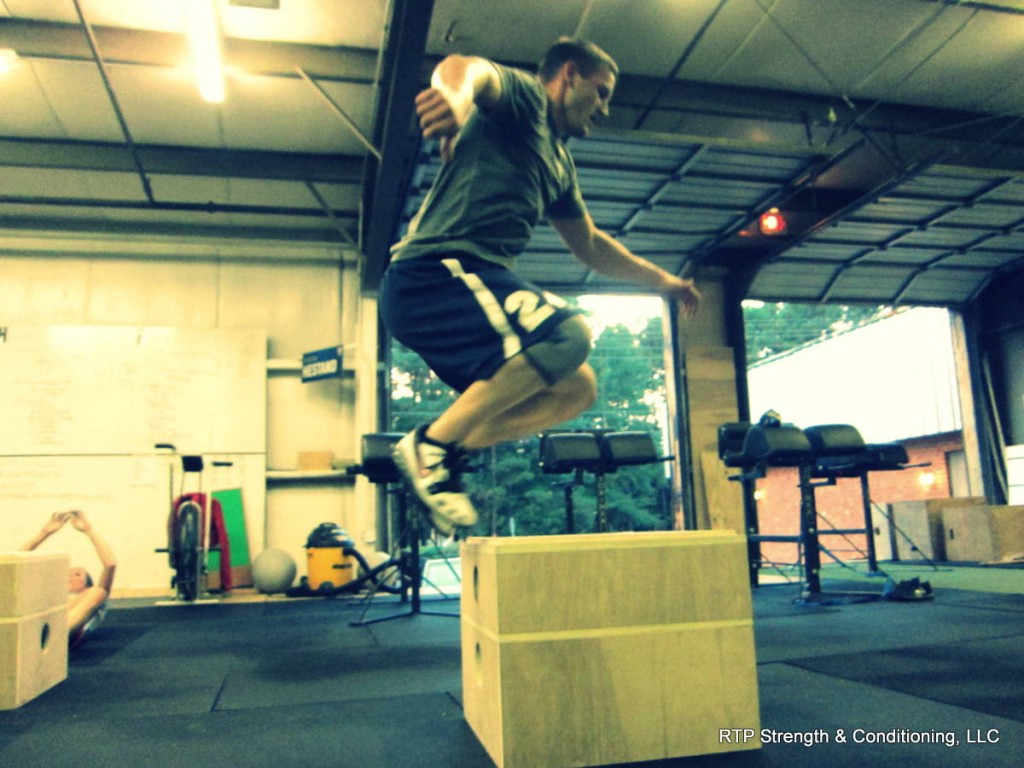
87 600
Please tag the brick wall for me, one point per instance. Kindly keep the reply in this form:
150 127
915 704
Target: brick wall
779 499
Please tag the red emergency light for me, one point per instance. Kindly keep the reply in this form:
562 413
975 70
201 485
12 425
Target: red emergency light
772 223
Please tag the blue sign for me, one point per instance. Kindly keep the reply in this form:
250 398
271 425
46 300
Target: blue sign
322 364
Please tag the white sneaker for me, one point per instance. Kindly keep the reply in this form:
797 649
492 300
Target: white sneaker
440 488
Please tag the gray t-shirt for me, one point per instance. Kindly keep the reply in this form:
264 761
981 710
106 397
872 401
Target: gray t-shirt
509 168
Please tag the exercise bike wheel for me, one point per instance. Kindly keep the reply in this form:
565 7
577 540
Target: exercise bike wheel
189 566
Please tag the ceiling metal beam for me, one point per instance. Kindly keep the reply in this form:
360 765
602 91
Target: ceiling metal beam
394 133
788 117
182 161
184 233
177 207
90 36
674 73
992 7
340 113
47 40
329 212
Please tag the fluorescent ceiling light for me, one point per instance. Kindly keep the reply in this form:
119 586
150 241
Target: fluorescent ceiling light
8 60
203 29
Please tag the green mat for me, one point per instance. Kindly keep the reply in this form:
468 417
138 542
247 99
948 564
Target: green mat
238 537
1005 579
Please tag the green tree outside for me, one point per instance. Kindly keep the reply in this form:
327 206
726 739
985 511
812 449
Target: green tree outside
511 493
772 328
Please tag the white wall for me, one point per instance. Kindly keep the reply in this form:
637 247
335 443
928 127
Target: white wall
1015 473
891 379
304 298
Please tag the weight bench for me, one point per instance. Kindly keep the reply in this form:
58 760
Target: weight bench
840 451
821 454
756 447
378 460
600 452
379 467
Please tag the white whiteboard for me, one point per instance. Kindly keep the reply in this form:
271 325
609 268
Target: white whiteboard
127 498
95 390
81 409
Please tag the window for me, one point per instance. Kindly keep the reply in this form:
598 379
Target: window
511 493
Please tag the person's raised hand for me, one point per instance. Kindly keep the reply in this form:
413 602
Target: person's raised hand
79 520
684 291
56 522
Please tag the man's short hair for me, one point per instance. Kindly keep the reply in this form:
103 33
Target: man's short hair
585 55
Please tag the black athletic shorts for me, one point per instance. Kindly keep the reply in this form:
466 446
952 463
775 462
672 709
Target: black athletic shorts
466 316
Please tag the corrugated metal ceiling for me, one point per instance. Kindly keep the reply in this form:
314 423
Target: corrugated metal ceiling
890 133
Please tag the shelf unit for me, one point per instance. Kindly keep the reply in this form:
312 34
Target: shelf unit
287 366
284 365
276 476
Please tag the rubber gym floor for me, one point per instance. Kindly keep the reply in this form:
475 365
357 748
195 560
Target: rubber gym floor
290 682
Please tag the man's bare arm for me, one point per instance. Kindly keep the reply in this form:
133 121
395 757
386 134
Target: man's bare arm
603 253
458 83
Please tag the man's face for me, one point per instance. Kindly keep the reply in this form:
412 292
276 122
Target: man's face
587 98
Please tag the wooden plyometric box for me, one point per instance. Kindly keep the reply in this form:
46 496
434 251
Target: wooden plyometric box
31 582
882 532
711 401
985 534
920 522
595 649
724 497
33 625
315 460
33 655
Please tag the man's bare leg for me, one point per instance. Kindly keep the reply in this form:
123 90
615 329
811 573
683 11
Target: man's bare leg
548 408
516 402
513 403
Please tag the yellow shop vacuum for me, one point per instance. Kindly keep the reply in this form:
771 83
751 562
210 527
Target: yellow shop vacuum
330 563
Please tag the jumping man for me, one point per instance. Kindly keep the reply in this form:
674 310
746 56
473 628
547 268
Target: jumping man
515 353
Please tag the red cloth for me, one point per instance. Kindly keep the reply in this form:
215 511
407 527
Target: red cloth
218 533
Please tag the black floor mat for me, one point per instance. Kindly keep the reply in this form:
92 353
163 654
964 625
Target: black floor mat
290 682
107 641
399 732
983 675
